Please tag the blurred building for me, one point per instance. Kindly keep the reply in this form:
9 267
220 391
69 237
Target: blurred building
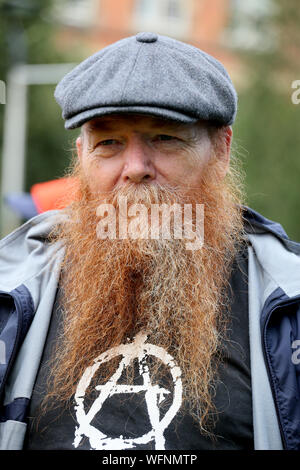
216 26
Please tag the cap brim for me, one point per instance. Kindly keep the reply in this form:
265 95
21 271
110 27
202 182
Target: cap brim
81 118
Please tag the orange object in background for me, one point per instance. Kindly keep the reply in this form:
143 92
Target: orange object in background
54 194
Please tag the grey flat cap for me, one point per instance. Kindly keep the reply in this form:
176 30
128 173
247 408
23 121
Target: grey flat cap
148 74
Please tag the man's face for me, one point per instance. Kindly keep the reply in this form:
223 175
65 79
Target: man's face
119 149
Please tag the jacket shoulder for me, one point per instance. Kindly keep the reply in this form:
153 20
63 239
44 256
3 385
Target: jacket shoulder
256 224
27 249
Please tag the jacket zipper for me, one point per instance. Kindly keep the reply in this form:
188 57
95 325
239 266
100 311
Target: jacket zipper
16 343
267 360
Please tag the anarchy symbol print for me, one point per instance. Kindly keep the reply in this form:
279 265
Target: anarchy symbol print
154 394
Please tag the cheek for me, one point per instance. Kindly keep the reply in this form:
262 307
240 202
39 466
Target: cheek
198 165
198 161
102 175
186 168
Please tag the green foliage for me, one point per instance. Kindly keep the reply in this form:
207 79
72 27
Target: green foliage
267 135
49 144
27 35
267 126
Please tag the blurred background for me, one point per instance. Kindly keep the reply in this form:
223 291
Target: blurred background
258 41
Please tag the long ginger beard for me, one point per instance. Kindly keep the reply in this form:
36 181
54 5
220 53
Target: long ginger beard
114 288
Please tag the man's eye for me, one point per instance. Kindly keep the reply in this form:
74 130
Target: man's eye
107 142
164 137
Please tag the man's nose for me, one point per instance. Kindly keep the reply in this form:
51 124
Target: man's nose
138 165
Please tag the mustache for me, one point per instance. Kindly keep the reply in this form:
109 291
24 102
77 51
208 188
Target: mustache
150 212
146 192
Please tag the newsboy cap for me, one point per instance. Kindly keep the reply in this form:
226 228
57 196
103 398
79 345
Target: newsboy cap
148 74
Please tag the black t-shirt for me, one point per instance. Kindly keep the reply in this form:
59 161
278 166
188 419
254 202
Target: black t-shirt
141 415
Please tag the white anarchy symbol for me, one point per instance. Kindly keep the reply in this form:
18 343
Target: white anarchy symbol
153 395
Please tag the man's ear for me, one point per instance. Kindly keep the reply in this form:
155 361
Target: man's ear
228 139
79 144
226 151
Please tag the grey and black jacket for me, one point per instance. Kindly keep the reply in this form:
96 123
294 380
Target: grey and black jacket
29 275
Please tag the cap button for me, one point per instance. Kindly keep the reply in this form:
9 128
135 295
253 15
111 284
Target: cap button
146 37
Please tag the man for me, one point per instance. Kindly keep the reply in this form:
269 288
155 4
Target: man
154 312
